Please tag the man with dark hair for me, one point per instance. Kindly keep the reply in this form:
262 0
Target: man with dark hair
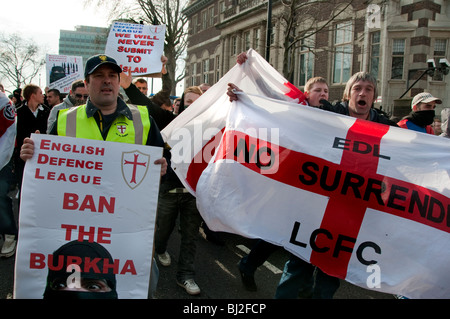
78 95
53 98
17 98
142 85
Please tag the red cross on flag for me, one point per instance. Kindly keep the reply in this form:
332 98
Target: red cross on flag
346 195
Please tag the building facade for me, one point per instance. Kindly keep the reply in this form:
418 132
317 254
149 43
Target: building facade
84 41
394 40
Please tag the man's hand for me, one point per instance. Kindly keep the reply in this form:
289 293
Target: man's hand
241 58
230 93
27 149
163 163
126 79
164 60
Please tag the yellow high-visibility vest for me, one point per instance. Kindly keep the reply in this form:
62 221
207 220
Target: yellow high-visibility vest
74 122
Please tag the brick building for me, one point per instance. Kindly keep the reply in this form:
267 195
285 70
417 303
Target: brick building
391 39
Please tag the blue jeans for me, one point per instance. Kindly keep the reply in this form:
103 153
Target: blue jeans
169 206
8 224
298 277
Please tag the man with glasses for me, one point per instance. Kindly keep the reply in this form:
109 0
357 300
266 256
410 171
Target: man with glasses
77 96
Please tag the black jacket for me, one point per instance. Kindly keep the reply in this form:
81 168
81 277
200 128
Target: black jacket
342 108
162 117
27 123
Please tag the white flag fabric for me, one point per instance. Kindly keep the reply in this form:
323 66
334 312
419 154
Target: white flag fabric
365 202
7 129
201 124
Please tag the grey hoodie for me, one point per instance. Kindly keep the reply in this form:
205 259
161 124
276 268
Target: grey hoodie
66 104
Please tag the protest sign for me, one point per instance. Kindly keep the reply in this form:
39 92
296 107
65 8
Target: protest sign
137 48
62 71
87 197
365 202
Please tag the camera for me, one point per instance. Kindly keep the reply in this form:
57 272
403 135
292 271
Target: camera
431 67
444 66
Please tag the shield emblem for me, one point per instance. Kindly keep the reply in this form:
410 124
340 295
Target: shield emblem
134 167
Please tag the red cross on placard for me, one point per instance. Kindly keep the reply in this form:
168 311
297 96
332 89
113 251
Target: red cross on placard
352 186
135 163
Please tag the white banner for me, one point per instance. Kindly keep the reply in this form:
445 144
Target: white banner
137 47
91 204
365 202
62 71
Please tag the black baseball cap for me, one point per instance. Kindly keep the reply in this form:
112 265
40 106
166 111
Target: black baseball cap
97 60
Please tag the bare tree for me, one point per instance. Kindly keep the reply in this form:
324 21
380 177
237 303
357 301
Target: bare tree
301 20
20 59
168 12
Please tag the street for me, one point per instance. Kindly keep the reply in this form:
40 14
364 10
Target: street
216 273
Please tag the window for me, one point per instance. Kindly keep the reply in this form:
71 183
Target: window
272 36
398 58
247 43
374 54
256 38
211 16
217 68
194 72
306 61
206 71
194 26
234 45
204 20
440 48
343 52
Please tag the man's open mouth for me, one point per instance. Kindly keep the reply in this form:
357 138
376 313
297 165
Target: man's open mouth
362 102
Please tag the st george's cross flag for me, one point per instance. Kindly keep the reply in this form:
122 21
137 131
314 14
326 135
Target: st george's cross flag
365 202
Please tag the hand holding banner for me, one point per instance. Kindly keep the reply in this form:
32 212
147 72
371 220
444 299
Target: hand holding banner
341 193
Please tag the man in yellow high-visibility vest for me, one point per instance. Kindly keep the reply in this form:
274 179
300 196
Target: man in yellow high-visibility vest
105 116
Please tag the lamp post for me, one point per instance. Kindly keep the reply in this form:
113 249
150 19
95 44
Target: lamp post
268 29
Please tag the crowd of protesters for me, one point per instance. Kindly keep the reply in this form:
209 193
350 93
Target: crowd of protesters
37 110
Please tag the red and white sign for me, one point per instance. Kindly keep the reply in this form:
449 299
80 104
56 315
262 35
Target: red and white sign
87 190
137 47
62 71
346 195
7 129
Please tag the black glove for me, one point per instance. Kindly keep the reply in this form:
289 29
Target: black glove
325 105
